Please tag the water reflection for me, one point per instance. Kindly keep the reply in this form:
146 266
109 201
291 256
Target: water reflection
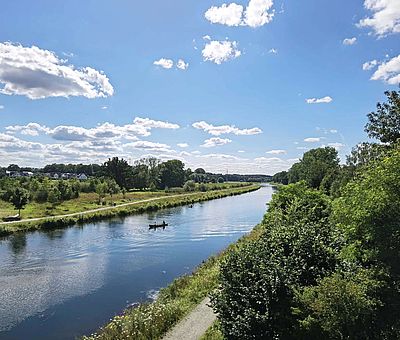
17 243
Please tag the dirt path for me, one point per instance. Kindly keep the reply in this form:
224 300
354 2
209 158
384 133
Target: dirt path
195 324
95 210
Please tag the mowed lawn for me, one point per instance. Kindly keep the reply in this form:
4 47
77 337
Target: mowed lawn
86 201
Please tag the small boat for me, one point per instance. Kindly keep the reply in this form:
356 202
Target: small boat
12 218
161 225
191 206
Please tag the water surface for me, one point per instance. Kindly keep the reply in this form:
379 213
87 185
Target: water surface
65 283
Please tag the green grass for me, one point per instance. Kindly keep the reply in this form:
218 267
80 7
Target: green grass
153 320
166 201
213 333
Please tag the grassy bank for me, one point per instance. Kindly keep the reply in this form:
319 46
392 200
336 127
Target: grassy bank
129 208
153 320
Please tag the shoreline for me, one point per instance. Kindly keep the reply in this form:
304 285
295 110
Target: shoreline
125 209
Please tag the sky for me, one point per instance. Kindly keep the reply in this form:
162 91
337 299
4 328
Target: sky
240 87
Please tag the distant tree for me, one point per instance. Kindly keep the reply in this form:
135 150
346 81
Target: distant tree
13 167
172 174
54 196
153 170
200 171
112 188
314 166
140 176
19 199
281 177
119 170
384 124
221 180
189 186
101 190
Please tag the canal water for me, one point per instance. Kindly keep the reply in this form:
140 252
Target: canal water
65 283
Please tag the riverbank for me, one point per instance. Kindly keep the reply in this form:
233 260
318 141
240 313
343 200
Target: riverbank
154 320
151 204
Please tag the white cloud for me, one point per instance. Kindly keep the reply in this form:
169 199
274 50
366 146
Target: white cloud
241 151
369 65
230 15
139 127
389 71
1 107
220 51
164 63
207 37
38 74
182 65
215 141
333 131
349 41
183 145
385 17
149 146
225 129
276 152
326 99
312 139
104 107
256 14
336 145
273 51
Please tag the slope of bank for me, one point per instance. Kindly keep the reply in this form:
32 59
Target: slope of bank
121 210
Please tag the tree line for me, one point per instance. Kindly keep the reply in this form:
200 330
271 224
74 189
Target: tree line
327 262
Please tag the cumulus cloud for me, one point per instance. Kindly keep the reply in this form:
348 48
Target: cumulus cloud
139 127
326 99
369 65
385 18
182 65
215 141
37 74
256 14
1 107
149 146
164 63
277 152
389 71
312 139
336 145
273 51
349 41
220 51
225 129
230 15
183 145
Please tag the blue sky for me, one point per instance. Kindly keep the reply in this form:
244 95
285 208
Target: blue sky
246 87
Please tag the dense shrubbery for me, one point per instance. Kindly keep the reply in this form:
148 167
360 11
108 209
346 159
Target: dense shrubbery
327 264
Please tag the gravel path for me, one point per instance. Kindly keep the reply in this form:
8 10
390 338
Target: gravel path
195 324
96 210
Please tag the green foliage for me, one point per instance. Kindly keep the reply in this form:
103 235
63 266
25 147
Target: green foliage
172 174
298 246
119 170
19 199
384 124
189 186
342 306
281 177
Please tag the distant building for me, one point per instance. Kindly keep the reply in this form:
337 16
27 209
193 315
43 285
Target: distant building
82 177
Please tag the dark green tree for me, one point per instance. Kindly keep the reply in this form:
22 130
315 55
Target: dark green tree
172 174
384 124
19 199
119 170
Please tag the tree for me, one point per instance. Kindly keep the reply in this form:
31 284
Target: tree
200 171
54 196
140 176
119 170
364 153
112 188
189 186
172 174
101 190
19 199
281 177
314 166
384 124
